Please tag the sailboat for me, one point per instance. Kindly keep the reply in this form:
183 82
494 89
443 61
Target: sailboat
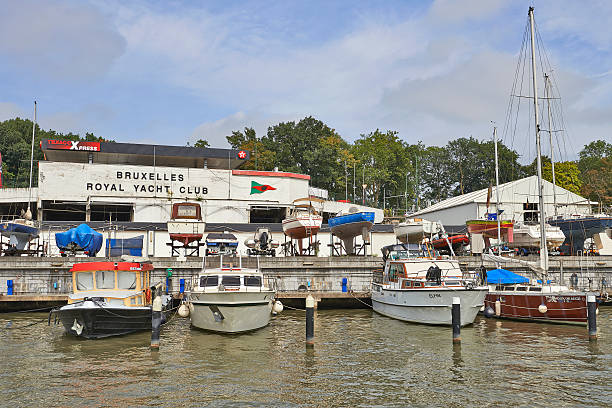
535 301
22 230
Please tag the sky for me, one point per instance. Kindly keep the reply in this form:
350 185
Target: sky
172 72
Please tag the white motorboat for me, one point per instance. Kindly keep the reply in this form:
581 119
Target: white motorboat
413 230
232 300
418 288
303 220
528 236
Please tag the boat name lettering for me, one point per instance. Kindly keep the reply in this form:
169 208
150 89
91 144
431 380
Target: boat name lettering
562 299
435 295
137 175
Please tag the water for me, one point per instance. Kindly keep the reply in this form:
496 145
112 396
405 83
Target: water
360 359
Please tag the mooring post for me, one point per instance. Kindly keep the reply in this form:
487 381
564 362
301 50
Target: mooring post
456 319
310 306
592 316
156 319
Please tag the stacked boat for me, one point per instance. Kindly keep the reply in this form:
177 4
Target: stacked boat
414 230
186 225
303 221
347 226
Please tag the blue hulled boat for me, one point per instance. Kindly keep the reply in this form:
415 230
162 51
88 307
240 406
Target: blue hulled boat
348 226
19 232
578 228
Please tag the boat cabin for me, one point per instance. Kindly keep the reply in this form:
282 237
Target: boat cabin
119 283
186 211
233 280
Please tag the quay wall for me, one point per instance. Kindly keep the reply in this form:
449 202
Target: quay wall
48 278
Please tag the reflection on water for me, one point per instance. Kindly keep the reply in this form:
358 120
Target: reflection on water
359 359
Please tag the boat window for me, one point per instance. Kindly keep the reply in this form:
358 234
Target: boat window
417 284
509 287
84 281
252 281
535 289
521 288
186 211
230 281
451 283
126 280
431 284
105 279
212 280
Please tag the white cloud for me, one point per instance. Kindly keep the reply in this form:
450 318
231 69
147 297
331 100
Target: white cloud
9 110
61 39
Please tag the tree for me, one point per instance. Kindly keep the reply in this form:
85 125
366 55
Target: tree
201 143
567 175
261 157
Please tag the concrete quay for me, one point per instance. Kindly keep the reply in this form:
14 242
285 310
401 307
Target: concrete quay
45 281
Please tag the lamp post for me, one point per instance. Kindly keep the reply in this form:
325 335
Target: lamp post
364 185
406 194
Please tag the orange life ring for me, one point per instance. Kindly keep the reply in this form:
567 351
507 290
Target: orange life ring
148 295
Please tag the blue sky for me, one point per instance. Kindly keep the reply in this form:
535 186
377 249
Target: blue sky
170 72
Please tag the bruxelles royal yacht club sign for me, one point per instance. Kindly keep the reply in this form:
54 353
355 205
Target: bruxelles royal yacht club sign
146 182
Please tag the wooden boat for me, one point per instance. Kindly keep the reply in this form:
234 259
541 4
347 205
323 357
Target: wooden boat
348 226
186 223
416 287
512 296
413 230
108 299
488 229
231 300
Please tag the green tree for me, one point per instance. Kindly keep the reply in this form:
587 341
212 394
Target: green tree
567 175
201 143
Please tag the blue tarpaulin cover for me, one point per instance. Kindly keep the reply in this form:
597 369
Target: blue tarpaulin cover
86 238
126 246
505 276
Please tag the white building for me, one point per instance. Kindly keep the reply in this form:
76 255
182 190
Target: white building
128 190
518 201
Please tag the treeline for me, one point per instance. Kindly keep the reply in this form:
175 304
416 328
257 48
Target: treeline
15 145
395 174
399 175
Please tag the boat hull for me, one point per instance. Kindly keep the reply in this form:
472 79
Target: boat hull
488 228
239 311
528 236
302 227
186 231
427 306
413 232
577 230
562 307
18 234
94 322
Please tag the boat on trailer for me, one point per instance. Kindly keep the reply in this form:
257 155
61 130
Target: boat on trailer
108 299
418 287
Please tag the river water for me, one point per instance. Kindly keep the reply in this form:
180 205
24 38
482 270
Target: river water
360 359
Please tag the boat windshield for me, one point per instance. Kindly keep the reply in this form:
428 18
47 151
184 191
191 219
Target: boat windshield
405 251
105 279
84 281
126 280
210 280
252 281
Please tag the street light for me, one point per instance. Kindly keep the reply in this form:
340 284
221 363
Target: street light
364 185
406 194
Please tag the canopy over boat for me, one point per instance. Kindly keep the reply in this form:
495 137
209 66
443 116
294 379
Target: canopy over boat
505 277
82 236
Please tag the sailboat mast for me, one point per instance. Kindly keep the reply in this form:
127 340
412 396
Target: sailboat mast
552 149
499 241
32 160
543 248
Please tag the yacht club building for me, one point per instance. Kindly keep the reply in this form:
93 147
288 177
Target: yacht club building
128 190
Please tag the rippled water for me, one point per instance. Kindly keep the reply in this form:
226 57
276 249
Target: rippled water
360 359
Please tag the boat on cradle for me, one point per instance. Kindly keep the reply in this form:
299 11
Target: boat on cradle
577 228
419 288
413 230
19 232
232 300
109 299
348 226
186 225
303 220
513 296
456 241
545 301
528 236
221 244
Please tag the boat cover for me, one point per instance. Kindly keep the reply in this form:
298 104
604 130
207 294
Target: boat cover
83 236
126 246
505 277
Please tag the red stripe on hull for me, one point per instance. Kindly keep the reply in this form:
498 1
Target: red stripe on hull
561 308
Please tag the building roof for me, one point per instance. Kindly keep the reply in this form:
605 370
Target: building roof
142 154
517 191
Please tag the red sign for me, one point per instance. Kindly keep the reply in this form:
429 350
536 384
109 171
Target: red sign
73 145
242 154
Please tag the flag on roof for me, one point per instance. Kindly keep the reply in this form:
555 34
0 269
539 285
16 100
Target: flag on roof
257 188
